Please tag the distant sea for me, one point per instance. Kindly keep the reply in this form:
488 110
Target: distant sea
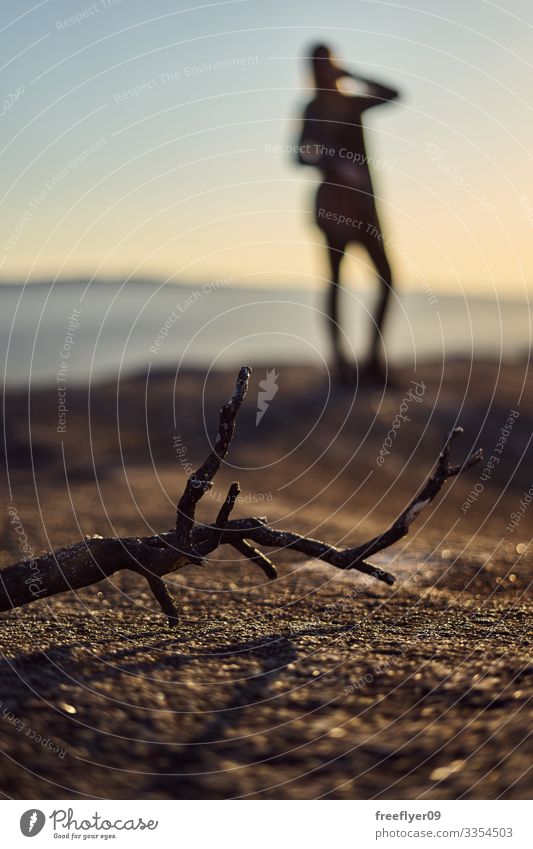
106 327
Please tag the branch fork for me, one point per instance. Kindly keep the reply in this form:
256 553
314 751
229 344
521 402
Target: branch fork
95 558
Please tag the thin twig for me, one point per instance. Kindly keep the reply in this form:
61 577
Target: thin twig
202 479
164 599
257 557
94 558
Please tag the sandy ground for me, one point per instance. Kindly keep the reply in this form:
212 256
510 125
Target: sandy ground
320 684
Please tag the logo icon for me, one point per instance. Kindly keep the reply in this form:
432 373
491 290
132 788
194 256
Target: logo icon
32 822
268 388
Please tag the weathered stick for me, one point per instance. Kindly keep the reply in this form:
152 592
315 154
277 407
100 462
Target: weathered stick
85 563
259 532
95 558
202 480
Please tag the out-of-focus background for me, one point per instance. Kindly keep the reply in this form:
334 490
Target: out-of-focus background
153 145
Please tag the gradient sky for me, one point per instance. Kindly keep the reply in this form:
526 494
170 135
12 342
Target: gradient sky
181 183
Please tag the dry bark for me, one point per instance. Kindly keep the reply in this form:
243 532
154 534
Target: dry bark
95 558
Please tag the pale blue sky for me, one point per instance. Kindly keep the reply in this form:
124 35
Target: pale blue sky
180 183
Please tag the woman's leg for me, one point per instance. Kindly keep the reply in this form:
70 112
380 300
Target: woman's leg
335 256
376 249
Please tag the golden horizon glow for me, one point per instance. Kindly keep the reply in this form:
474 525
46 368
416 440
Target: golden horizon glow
166 157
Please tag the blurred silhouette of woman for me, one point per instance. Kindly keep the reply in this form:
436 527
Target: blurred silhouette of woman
332 139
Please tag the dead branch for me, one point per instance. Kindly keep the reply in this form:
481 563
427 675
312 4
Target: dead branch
95 558
202 480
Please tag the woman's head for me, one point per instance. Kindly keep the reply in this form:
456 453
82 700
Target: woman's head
325 72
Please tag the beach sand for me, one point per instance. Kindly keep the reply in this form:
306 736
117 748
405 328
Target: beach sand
320 684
